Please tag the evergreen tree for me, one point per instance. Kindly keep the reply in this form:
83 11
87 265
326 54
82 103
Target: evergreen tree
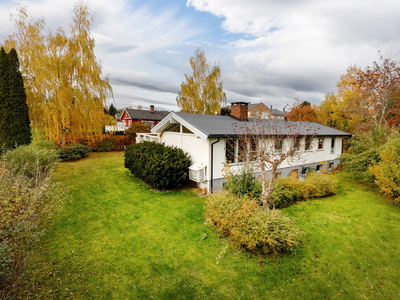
14 113
4 99
112 110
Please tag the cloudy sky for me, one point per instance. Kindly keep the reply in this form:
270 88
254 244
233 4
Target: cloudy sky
269 50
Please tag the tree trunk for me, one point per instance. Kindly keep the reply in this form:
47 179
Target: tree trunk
268 192
264 199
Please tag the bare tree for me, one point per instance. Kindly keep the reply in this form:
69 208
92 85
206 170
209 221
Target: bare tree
263 145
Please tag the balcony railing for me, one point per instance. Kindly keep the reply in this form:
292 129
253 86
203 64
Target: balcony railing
148 137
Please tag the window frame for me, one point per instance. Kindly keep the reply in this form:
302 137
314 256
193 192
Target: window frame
280 149
308 140
321 143
333 145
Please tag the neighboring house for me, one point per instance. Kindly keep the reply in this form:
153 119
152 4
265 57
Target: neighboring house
205 138
259 110
262 111
130 116
277 114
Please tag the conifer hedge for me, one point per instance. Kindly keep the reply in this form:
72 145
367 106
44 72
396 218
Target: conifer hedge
14 113
161 167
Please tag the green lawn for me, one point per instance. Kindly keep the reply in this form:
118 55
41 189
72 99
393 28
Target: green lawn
116 239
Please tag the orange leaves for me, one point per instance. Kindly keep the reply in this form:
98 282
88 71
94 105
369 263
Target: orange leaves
302 112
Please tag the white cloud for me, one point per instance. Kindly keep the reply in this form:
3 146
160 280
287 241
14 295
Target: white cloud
301 47
173 52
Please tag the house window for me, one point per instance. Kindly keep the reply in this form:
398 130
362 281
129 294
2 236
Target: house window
252 149
278 145
333 145
308 142
174 128
185 130
230 151
331 166
236 151
321 144
296 143
318 168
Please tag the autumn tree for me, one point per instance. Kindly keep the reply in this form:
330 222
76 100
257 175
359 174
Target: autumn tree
303 111
14 116
66 94
263 145
202 92
379 87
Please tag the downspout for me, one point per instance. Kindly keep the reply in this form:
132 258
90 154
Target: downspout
212 164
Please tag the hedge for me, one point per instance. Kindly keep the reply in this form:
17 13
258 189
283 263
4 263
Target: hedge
161 167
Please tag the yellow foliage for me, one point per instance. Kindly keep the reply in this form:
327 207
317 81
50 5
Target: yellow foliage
65 92
202 93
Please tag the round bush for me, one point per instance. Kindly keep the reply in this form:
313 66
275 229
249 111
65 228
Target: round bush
74 152
250 226
161 167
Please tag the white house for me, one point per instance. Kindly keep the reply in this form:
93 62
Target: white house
207 137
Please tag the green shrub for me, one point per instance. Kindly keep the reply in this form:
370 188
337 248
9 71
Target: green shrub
249 226
387 171
287 190
73 152
44 144
107 145
319 185
244 184
161 167
27 200
364 152
31 159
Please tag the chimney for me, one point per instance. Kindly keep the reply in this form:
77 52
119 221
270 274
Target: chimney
139 107
152 109
239 110
271 107
283 109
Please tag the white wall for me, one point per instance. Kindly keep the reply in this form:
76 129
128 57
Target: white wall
307 157
196 147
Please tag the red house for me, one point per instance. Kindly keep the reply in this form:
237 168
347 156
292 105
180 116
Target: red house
151 116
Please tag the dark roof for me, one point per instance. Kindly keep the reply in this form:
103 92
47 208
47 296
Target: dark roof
146 115
226 126
277 112
251 105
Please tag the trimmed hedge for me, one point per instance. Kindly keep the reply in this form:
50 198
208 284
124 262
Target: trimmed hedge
74 152
249 226
288 190
161 167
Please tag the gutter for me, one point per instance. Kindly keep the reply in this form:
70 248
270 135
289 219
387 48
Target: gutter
212 165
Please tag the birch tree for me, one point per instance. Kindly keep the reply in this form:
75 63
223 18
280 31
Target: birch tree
202 92
263 145
66 94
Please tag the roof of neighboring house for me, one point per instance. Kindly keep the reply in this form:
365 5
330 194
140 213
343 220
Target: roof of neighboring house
277 112
208 126
140 114
251 105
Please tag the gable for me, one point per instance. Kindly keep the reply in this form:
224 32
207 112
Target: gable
260 107
125 116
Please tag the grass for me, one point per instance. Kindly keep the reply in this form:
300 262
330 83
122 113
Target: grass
116 239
